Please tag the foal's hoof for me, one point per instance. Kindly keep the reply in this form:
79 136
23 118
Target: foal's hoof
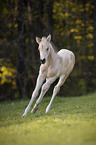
34 110
24 115
47 110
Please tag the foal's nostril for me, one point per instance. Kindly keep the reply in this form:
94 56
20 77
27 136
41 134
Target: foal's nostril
42 60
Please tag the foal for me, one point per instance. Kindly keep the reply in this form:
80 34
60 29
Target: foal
53 65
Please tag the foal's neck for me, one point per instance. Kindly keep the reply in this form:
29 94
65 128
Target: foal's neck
53 57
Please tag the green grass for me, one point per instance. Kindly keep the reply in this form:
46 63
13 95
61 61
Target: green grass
71 121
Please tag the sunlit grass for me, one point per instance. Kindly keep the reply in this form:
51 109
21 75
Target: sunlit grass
71 121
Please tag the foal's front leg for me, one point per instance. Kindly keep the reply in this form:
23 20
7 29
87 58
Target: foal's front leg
40 81
44 89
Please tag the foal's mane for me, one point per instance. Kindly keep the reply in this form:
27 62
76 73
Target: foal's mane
54 47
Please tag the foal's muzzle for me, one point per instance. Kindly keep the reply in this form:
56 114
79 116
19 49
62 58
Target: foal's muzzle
43 60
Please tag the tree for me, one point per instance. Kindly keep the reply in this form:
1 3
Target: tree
72 25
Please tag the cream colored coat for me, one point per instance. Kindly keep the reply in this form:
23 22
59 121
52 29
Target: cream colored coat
55 65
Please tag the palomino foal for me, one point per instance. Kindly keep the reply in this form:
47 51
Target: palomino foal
53 65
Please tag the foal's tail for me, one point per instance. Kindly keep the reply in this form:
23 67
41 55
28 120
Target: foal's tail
71 64
72 57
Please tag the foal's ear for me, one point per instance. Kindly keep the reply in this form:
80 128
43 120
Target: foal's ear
38 40
49 37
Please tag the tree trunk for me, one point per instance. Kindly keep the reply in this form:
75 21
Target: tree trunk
50 18
95 29
21 53
94 49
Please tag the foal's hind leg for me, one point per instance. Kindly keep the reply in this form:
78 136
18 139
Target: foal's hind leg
56 90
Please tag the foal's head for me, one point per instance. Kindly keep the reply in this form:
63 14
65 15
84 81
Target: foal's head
44 48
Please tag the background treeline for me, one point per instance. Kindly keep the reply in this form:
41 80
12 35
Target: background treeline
72 24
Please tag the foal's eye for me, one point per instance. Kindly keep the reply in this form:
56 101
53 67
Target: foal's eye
47 49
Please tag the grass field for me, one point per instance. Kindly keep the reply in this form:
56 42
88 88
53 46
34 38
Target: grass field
71 121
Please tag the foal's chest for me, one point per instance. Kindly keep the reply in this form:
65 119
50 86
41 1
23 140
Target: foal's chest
53 71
